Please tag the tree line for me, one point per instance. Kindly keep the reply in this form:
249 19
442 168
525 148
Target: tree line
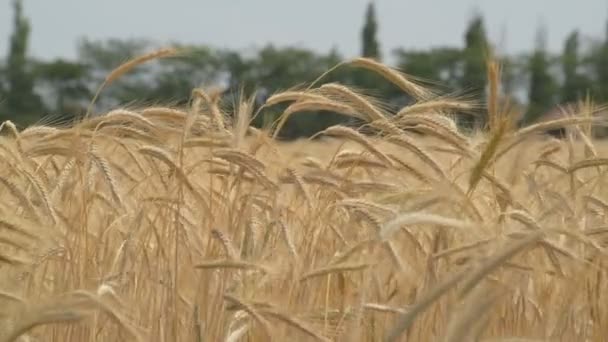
57 91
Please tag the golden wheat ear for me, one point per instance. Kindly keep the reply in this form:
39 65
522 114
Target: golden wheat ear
397 78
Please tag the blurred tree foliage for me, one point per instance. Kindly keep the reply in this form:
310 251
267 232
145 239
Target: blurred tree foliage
370 44
575 85
101 57
597 62
21 104
66 84
543 87
439 67
474 57
174 78
60 90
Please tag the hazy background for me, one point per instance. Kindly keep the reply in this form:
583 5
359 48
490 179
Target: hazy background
315 24
54 54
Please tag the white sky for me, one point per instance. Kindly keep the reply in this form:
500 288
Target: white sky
315 24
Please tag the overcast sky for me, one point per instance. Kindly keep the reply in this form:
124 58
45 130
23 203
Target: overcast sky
316 24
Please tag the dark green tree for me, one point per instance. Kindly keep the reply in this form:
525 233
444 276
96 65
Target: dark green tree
22 103
370 82
439 66
370 45
508 75
474 77
474 56
239 71
575 85
598 62
275 69
3 85
176 77
67 82
101 57
513 78
105 55
542 88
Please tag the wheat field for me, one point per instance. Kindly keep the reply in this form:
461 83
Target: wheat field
188 224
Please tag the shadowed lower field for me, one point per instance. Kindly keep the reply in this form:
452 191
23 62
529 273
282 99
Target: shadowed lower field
170 225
